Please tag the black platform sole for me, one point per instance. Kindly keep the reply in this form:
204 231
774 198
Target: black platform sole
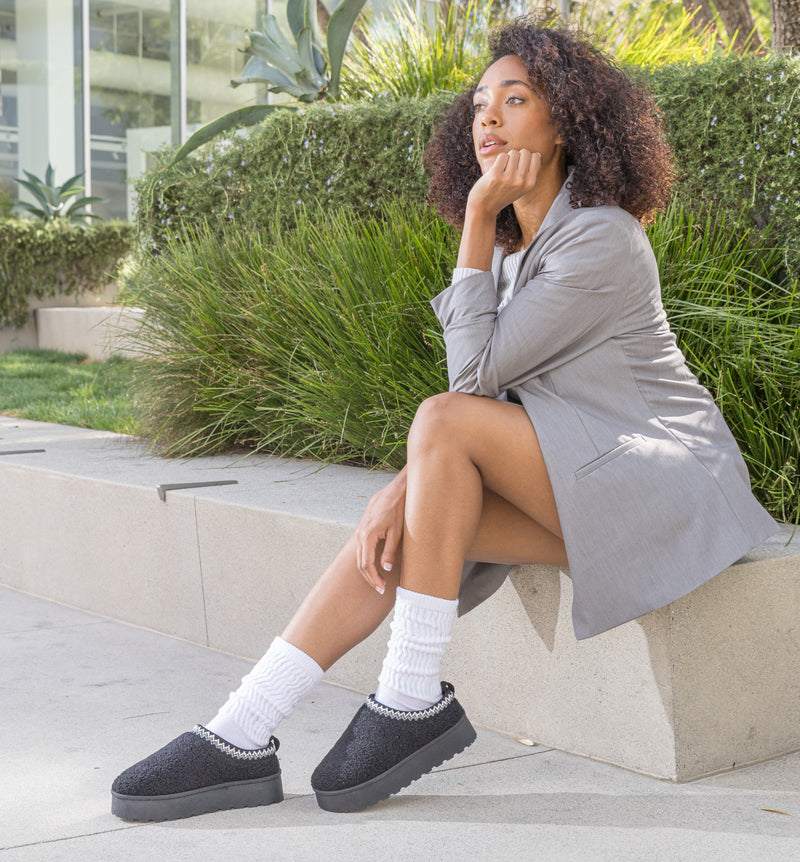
174 806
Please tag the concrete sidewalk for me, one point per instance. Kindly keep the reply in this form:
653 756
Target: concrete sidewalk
84 697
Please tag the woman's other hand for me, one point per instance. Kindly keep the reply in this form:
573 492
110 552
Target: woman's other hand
381 528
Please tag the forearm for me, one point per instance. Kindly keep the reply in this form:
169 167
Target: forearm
395 491
477 239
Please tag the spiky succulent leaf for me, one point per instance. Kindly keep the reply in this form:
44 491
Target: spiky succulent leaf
305 49
297 14
35 188
83 202
257 71
339 28
247 116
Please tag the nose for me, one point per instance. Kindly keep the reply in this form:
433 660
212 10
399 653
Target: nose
489 117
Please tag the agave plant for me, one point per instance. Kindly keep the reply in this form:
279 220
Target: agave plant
299 70
54 201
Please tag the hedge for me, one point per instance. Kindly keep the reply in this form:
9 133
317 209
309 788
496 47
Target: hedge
732 122
734 126
37 261
332 156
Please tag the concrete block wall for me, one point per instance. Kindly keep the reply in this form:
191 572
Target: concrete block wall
707 684
89 323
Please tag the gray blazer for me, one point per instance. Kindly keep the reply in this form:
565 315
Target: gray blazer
652 493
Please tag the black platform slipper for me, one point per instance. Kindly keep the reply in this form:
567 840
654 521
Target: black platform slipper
196 773
382 750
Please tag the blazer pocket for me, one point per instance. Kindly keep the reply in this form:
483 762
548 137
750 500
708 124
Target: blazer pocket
584 471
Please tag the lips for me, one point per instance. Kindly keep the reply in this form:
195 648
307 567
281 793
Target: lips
489 144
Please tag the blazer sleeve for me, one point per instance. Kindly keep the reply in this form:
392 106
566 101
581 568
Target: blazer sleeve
573 302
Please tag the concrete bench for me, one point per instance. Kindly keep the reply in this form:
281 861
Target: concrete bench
90 322
98 332
710 683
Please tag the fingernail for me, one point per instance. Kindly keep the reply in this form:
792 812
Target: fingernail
380 590
387 567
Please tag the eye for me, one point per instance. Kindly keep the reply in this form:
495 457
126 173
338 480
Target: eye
515 100
477 108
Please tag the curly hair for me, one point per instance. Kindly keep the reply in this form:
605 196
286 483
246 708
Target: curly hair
612 133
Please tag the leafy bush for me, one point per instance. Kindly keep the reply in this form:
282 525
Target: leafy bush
730 121
318 342
654 34
418 58
321 342
353 156
735 130
42 260
739 329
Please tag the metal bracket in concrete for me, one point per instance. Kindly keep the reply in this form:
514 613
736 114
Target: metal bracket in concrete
179 486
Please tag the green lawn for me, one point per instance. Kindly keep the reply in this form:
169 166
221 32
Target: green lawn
69 389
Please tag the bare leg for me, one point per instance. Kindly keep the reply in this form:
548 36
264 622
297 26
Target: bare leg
478 489
459 446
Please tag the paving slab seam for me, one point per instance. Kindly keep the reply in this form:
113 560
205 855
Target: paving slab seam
126 828
489 761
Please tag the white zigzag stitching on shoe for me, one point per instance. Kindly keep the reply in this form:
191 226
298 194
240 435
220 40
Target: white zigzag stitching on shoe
417 715
232 750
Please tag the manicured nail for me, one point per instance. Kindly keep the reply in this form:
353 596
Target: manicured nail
387 567
379 590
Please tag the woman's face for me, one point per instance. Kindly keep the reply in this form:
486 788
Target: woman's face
510 115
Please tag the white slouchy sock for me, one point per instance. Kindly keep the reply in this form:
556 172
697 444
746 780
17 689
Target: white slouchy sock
409 679
281 678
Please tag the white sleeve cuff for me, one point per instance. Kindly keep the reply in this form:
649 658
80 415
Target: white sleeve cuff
463 271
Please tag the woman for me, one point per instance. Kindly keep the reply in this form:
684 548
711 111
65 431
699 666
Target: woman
573 434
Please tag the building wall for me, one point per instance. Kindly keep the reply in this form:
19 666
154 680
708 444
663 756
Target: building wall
132 54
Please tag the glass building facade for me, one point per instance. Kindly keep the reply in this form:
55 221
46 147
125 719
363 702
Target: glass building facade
93 86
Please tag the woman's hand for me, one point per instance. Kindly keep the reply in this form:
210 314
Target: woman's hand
382 521
511 175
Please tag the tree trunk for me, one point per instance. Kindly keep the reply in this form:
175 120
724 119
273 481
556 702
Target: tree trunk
736 16
785 24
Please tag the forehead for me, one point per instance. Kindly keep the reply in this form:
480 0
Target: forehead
506 68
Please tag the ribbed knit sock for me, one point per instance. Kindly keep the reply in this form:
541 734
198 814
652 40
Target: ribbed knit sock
268 694
421 625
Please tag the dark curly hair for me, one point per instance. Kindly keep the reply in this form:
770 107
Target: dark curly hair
611 129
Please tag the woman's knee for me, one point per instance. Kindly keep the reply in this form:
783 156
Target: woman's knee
439 420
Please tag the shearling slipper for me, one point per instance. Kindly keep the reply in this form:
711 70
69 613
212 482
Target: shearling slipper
383 750
195 773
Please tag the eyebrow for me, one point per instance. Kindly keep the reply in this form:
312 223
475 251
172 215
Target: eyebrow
505 84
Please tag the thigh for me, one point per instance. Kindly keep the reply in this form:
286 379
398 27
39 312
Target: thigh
507 535
501 441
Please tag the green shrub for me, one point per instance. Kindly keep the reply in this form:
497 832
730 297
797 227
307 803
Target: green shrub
321 342
418 58
740 332
735 130
318 157
318 342
731 121
42 260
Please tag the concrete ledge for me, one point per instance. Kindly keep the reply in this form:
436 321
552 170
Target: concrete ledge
27 337
98 332
707 684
